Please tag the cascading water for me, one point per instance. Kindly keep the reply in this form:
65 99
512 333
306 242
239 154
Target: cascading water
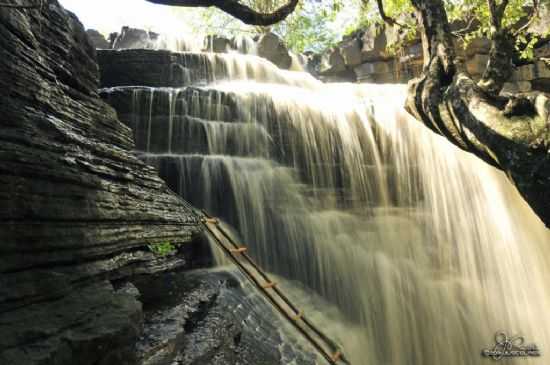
405 248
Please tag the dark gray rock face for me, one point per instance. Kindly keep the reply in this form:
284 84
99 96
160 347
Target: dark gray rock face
77 208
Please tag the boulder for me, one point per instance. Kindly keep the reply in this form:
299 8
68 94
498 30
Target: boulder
332 62
374 42
131 38
93 325
313 63
112 38
217 44
351 52
97 39
271 47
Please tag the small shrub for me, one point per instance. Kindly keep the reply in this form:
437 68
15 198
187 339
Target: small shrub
161 248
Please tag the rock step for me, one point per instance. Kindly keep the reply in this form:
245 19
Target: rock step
149 67
171 138
194 101
186 134
162 68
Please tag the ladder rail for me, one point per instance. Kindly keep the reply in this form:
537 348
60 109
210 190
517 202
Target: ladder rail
273 301
220 235
330 342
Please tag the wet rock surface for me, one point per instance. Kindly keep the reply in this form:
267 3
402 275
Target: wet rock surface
207 317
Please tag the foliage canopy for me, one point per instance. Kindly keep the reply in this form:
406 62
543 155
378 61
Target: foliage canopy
318 24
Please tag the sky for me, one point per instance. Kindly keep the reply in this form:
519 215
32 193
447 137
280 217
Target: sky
109 16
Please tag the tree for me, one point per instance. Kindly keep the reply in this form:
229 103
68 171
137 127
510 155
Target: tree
511 132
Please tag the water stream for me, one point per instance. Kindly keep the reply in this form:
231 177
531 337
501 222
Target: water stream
407 249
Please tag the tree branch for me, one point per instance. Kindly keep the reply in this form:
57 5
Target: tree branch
387 19
499 66
496 13
238 10
501 8
535 14
495 23
479 121
466 29
436 37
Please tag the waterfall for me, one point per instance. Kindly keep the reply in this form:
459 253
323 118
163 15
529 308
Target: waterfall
406 249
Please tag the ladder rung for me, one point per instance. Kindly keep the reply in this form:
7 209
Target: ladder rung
298 316
238 250
269 285
210 220
336 356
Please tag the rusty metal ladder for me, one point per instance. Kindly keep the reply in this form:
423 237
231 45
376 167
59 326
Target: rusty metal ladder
239 256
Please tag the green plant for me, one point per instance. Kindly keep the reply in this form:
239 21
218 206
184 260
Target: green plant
161 248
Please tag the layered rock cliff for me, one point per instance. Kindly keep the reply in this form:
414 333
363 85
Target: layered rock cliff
368 56
77 208
82 279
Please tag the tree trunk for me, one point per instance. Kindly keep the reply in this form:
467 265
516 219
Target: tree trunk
511 133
